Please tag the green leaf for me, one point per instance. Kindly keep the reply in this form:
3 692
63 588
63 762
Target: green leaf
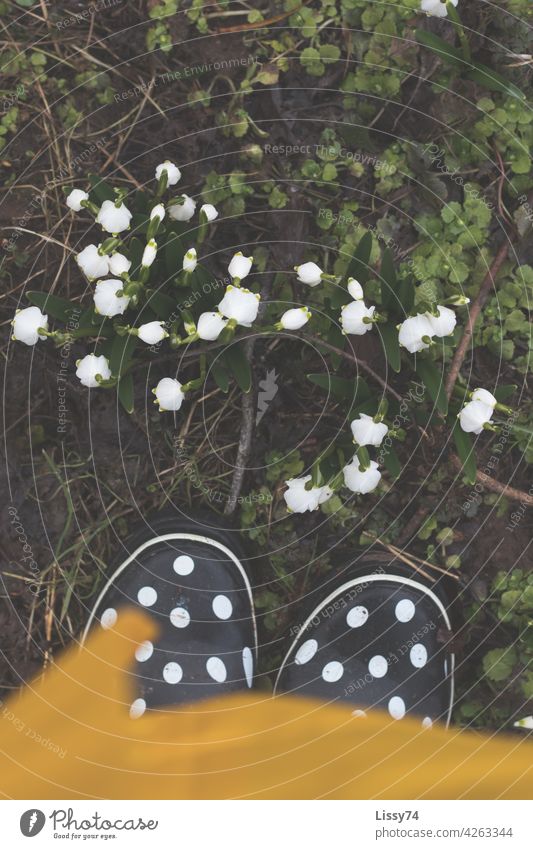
392 463
406 294
498 664
358 265
465 449
100 189
433 380
236 361
121 353
389 338
162 305
53 305
125 392
341 389
451 55
220 376
173 253
488 78
505 391
389 282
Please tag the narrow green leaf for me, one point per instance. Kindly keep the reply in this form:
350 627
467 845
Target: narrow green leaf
125 392
358 266
220 376
162 305
451 55
173 253
391 461
488 78
389 338
465 450
503 392
389 282
406 294
433 380
100 189
341 388
235 359
121 353
53 305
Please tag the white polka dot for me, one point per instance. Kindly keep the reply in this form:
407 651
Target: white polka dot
248 664
418 655
357 616
405 610
172 673
397 707
147 596
180 617
306 651
144 651
137 708
216 669
427 722
332 671
183 565
222 607
358 713
108 618
378 666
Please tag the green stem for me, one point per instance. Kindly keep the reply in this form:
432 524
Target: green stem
459 29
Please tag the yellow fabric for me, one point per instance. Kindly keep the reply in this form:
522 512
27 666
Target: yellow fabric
69 736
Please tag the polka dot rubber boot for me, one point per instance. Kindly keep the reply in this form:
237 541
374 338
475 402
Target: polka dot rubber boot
196 588
378 641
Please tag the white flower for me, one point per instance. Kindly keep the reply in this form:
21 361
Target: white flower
485 397
27 323
190 260
152 332
210 211
295 319
113 219
157 211
149 254
352 316
92 263
437 8
355 289
183 211
359 481
168 394
106 300
444 323
89 367
173 172
210 326
75 198
309 273
368 432
411 332
474 415
241 305
240 266
118 264
299 499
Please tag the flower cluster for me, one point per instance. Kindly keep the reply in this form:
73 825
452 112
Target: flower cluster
416 332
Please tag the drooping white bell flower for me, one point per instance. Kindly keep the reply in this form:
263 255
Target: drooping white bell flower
75 198
149 254
295 319
210 211
190 260
157 211
106 300
352 316
26 325
309 273
182 211
89 367
485 397
168 394
92 263
210 326
240 266
113 219
119 264
355 289
299 499
361 481
412 333
241 305
173 172
474 415
436 8
153 332
444 323
368 432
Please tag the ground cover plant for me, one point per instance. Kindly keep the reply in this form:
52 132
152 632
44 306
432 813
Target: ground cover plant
304 231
